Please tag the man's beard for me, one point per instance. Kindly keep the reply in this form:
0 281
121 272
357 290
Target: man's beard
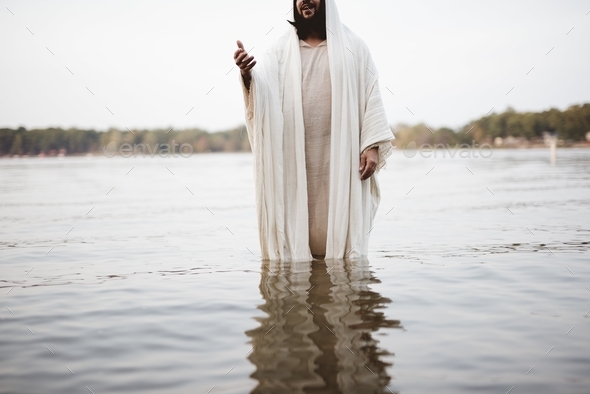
317 23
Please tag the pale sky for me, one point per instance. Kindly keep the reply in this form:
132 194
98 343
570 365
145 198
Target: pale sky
151 61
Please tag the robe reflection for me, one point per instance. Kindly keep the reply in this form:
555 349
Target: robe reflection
317 336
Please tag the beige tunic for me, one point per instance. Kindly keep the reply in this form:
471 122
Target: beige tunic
316 91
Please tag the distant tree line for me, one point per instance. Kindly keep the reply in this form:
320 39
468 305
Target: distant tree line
572 124
52 141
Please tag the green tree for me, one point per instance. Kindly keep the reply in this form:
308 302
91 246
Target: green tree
17 145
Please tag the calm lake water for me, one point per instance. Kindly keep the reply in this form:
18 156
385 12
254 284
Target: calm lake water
143 275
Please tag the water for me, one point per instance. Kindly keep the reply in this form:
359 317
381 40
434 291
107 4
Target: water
143 275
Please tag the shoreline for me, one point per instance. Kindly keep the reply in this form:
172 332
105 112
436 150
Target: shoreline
578 145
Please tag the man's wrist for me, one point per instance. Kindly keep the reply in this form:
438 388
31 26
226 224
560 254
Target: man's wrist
247 79
375 146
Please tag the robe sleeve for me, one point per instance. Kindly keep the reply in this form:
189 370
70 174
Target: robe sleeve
248 102
384 149
375 129
256 100
248 107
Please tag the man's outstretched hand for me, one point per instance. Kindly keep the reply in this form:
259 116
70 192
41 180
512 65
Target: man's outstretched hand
245 62
369 161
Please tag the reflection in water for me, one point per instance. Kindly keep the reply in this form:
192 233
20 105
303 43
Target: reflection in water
317 336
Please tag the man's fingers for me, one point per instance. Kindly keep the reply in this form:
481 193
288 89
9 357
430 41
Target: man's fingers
368 166
364 167
249 66
365 174
369 170
244 61
241 58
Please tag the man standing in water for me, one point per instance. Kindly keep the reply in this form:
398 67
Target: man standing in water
318 132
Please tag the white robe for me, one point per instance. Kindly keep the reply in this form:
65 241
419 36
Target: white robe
274 118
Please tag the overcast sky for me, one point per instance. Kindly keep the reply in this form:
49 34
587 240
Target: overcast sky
150 62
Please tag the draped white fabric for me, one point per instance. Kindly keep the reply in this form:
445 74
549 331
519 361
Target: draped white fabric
274 118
